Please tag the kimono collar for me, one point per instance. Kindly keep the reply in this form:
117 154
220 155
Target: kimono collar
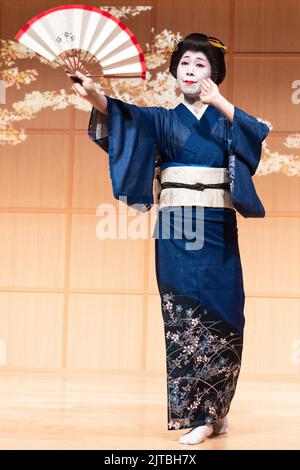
203 125
201 112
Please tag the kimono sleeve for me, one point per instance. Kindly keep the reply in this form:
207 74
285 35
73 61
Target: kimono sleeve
129 135
97 129
245 137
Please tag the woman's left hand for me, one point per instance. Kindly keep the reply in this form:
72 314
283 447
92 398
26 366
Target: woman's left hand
209 91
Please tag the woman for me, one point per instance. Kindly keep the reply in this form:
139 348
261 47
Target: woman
209 150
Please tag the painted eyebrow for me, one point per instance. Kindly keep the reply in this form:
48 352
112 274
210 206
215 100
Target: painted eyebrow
188 57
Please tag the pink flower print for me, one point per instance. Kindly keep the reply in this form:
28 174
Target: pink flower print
174 425
200 359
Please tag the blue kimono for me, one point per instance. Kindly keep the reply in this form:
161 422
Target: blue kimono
201 291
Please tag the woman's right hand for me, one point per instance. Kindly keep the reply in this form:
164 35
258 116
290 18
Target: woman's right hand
86 88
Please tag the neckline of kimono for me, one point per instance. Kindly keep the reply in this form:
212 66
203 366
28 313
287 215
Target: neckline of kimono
202 126
202 111
189 118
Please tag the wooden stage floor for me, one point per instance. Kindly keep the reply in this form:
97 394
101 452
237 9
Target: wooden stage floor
125 411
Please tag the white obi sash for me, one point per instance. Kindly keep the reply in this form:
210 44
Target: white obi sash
193 197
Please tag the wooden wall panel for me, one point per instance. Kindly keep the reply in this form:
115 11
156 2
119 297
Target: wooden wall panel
52 115
105 331
32 250
266 26
270 252
37 176
263 87
152 284
31 329
91 183
189 16
156 348
272 337
280 193
104 264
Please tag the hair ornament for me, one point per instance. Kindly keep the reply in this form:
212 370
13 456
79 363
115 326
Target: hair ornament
215 42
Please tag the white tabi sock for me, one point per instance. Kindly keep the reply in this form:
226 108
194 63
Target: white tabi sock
197 435
200 433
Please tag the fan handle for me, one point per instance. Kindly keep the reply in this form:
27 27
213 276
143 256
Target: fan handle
76 79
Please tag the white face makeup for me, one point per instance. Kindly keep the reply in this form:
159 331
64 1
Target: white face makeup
192 68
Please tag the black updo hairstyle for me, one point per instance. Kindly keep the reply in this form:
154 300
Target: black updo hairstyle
199 42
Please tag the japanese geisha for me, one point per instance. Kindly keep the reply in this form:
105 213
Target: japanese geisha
207 151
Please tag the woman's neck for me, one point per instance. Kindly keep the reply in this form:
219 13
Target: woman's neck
194 101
